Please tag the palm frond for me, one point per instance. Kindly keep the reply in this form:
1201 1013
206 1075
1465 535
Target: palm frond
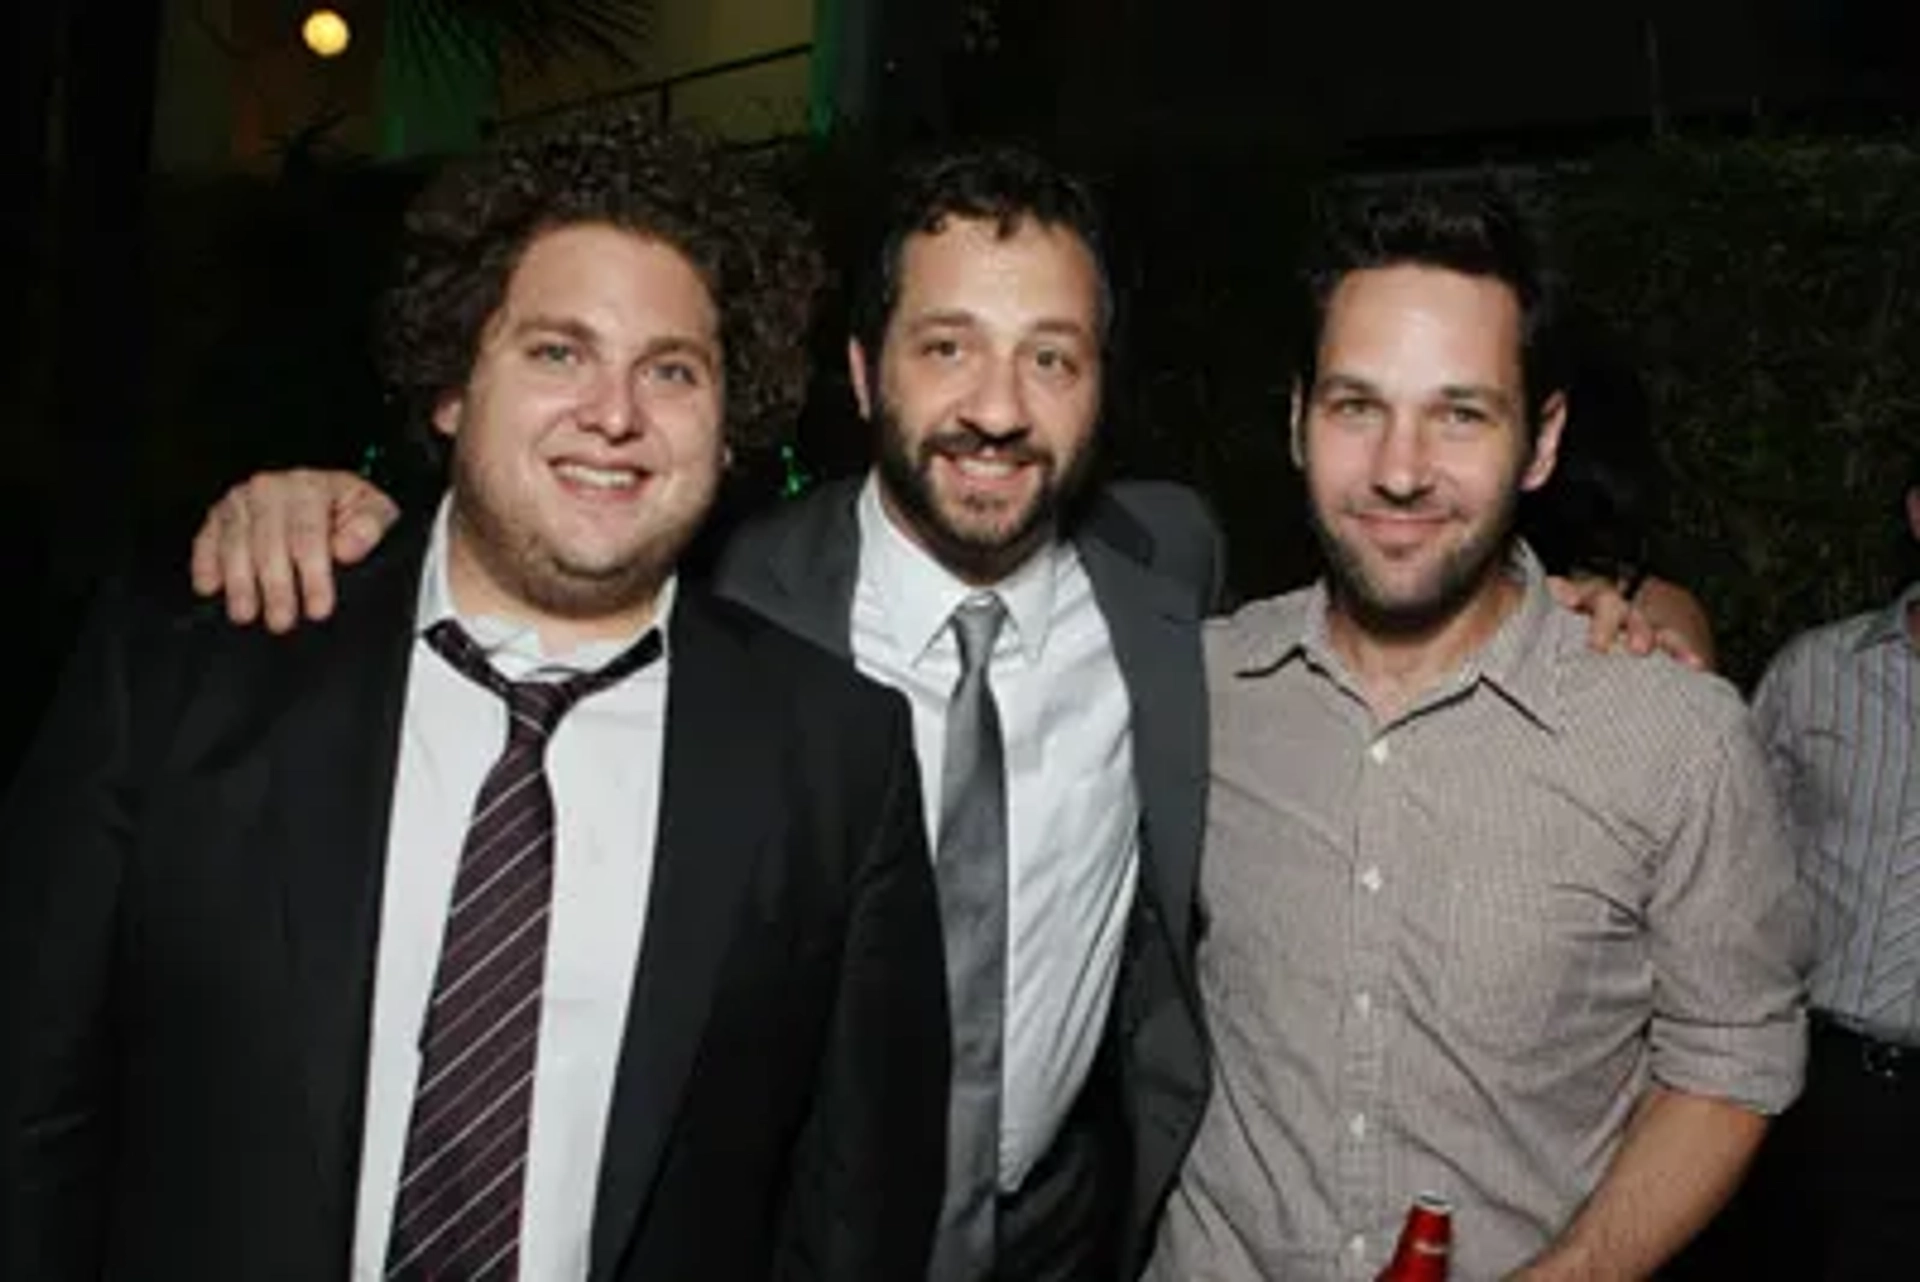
432 38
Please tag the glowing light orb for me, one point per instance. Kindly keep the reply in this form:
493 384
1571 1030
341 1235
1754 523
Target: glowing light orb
326 33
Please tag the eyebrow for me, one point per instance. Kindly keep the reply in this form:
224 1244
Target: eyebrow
577 330
586 335
1459 392
956 318
952 318
1454 393
1065 328
1328 384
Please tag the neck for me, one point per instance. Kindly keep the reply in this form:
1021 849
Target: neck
476 592
1394 669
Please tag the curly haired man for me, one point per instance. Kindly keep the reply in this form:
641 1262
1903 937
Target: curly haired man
307 976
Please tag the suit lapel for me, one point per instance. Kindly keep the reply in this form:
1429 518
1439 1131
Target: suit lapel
719 756
333 761
1155 629
811 557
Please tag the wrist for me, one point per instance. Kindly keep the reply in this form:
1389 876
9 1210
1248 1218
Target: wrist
1566 1261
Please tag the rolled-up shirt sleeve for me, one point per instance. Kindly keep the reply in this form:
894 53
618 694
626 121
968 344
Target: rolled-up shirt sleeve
1731 933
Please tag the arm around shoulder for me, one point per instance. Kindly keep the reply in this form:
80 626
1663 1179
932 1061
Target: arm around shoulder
1676 614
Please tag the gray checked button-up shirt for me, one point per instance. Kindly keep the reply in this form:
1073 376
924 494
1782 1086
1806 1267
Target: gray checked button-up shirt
1449 953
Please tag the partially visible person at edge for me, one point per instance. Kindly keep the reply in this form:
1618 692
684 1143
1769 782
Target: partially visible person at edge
1836 1192
978 356
294 984
1492 916
1595 515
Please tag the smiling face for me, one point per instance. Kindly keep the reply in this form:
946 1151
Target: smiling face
986 390
1415 443
587 442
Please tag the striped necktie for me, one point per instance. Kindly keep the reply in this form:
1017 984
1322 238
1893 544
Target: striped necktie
457 1213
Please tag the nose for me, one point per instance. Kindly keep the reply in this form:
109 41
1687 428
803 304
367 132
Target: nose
996 405
611 406
1401 461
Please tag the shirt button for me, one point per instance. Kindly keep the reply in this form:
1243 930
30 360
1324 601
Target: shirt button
1357 1126
1378 752
1363 1002
1372 880
1357 1245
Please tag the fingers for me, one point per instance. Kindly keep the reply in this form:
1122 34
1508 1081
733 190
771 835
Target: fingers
271 519
308 551
1571 593
266 545
362 517
1679 645
1607 615
1611 619
221 563
204 566
1638 632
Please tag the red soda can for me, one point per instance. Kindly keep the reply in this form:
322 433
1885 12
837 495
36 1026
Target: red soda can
1424 1242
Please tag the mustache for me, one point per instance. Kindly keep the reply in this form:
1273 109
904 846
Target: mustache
1015 445
1424 505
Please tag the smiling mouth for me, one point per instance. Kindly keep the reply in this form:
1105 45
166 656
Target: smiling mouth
599 480
1401 531
985 467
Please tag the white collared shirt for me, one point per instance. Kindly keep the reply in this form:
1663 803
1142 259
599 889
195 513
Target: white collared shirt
604 767
1072 810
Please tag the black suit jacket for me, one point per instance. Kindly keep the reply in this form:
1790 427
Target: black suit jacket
191 882
1153 556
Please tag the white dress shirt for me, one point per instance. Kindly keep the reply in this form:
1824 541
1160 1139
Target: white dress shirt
604 767
1072 809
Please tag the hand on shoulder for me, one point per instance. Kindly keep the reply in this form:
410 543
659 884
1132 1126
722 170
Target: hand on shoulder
269 546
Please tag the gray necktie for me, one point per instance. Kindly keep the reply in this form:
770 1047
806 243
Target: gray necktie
971 868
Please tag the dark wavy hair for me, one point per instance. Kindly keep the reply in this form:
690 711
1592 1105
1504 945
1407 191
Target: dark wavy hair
1476 231
995 182
467 230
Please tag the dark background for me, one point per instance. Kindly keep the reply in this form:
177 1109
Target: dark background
1735 187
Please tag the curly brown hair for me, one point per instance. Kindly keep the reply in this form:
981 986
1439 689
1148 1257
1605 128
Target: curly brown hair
466 232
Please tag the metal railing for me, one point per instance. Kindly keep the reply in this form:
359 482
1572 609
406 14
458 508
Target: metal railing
661 91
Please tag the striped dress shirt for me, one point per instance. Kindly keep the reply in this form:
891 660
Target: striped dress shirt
1840 710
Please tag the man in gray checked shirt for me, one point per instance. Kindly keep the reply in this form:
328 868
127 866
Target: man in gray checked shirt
1491 916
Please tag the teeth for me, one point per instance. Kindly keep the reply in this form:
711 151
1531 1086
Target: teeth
977 466
599 478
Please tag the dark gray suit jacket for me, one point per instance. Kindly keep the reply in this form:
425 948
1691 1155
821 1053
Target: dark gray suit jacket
1152 554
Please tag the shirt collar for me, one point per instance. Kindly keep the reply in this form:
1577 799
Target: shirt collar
1517 660
918 594
513 646
1514 661
1891 624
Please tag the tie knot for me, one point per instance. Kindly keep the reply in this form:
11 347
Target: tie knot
534 708
976 626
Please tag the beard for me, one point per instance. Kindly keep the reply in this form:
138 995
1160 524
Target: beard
1440 596
506 541
977 542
